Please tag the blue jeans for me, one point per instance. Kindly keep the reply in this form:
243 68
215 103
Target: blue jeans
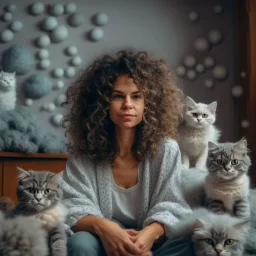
86 244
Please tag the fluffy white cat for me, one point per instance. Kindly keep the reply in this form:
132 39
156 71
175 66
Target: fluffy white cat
7 91
195 131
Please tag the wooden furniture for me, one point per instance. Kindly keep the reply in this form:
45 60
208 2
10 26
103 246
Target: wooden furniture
37 162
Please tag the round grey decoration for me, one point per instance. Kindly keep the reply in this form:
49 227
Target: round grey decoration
43 41
36 8
59 34
6 35
49 23
69 72
190 61
16 26
11 8
191 74
209 62
193 16
218 9
60 99
208 83
96 34
58 85
58 72
76 61
7 16
70 8
50 107
201 44
243 74
57 119
76 20
215 36
56 9
245 123
37 86
43 54
18 58
200 68
100 19
237 91
28 102
219 72
44 64
71 50
181 71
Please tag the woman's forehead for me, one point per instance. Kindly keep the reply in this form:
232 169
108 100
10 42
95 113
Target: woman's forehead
124 82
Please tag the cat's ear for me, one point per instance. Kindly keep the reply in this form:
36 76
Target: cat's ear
212 146
241 145
243 224
190 103
22 173
14 73
199 223
57 178
212 107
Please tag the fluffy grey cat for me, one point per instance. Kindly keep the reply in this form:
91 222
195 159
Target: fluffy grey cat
227 183
22 236
195 131
7 91
214 234
39 195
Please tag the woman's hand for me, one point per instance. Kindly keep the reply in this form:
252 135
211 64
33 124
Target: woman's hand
116 240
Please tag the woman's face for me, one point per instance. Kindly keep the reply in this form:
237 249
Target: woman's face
126 103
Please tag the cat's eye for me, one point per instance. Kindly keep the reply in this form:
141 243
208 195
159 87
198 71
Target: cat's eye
47 191
234 162
195 114
219 161
31 190
229 242
209 241
204 115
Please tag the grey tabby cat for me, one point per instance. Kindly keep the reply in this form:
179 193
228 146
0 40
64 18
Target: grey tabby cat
22 236
227 183
214 234
39 195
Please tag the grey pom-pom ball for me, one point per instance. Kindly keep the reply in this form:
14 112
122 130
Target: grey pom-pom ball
69 72
16 26
58 72
181 71
37 86
58 85
43 41
71 50
59 34
100 19
96 34
43 54
220 72
11 8
57 119
76 20
60 99
18 58
49 23
7 16
201 44
44 64
28 102
56 9
36 8
6 35
70 8
76 61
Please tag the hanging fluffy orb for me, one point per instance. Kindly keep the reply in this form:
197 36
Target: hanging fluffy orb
76 20
49 23
71 50
70 8
6 35
16 26
96 34
59 34
100 19
36 8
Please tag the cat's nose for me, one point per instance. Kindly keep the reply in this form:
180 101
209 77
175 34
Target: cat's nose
38 199
227 168
199 120
219 250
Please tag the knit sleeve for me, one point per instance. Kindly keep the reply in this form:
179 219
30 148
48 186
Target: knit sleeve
167 204
78 185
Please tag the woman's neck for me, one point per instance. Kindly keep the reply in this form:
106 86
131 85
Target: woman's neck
125 139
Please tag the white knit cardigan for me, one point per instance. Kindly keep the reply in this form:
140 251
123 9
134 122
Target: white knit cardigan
87 188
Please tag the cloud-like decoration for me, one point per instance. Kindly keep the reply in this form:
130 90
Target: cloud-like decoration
59 34
76 20
16 26
6 35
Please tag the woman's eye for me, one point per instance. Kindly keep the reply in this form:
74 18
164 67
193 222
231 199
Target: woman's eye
117 96
229 242
234 162
195 114
136 97
47 191
219 161
209 241
204 115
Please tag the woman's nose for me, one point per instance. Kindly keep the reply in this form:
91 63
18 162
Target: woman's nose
127 103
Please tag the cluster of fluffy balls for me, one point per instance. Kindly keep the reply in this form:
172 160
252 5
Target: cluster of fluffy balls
20 131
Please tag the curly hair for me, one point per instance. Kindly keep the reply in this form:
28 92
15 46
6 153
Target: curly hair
88 126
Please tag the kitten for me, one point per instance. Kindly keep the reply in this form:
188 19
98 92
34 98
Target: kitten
195 131
227 183
214 234
39 195
22 236
7 91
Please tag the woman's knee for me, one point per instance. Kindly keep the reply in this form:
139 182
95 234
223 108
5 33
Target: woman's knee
85 243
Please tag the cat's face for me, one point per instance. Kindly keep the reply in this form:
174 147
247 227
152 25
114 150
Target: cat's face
7 81
220 236
199 115
38 190
227 161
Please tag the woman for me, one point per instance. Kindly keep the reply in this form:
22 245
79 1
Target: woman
122 182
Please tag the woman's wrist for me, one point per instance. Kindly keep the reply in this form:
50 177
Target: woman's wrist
157 230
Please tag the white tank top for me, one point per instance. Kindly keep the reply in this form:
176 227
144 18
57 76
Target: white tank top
125 204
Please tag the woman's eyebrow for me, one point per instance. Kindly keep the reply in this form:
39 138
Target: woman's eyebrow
136 92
